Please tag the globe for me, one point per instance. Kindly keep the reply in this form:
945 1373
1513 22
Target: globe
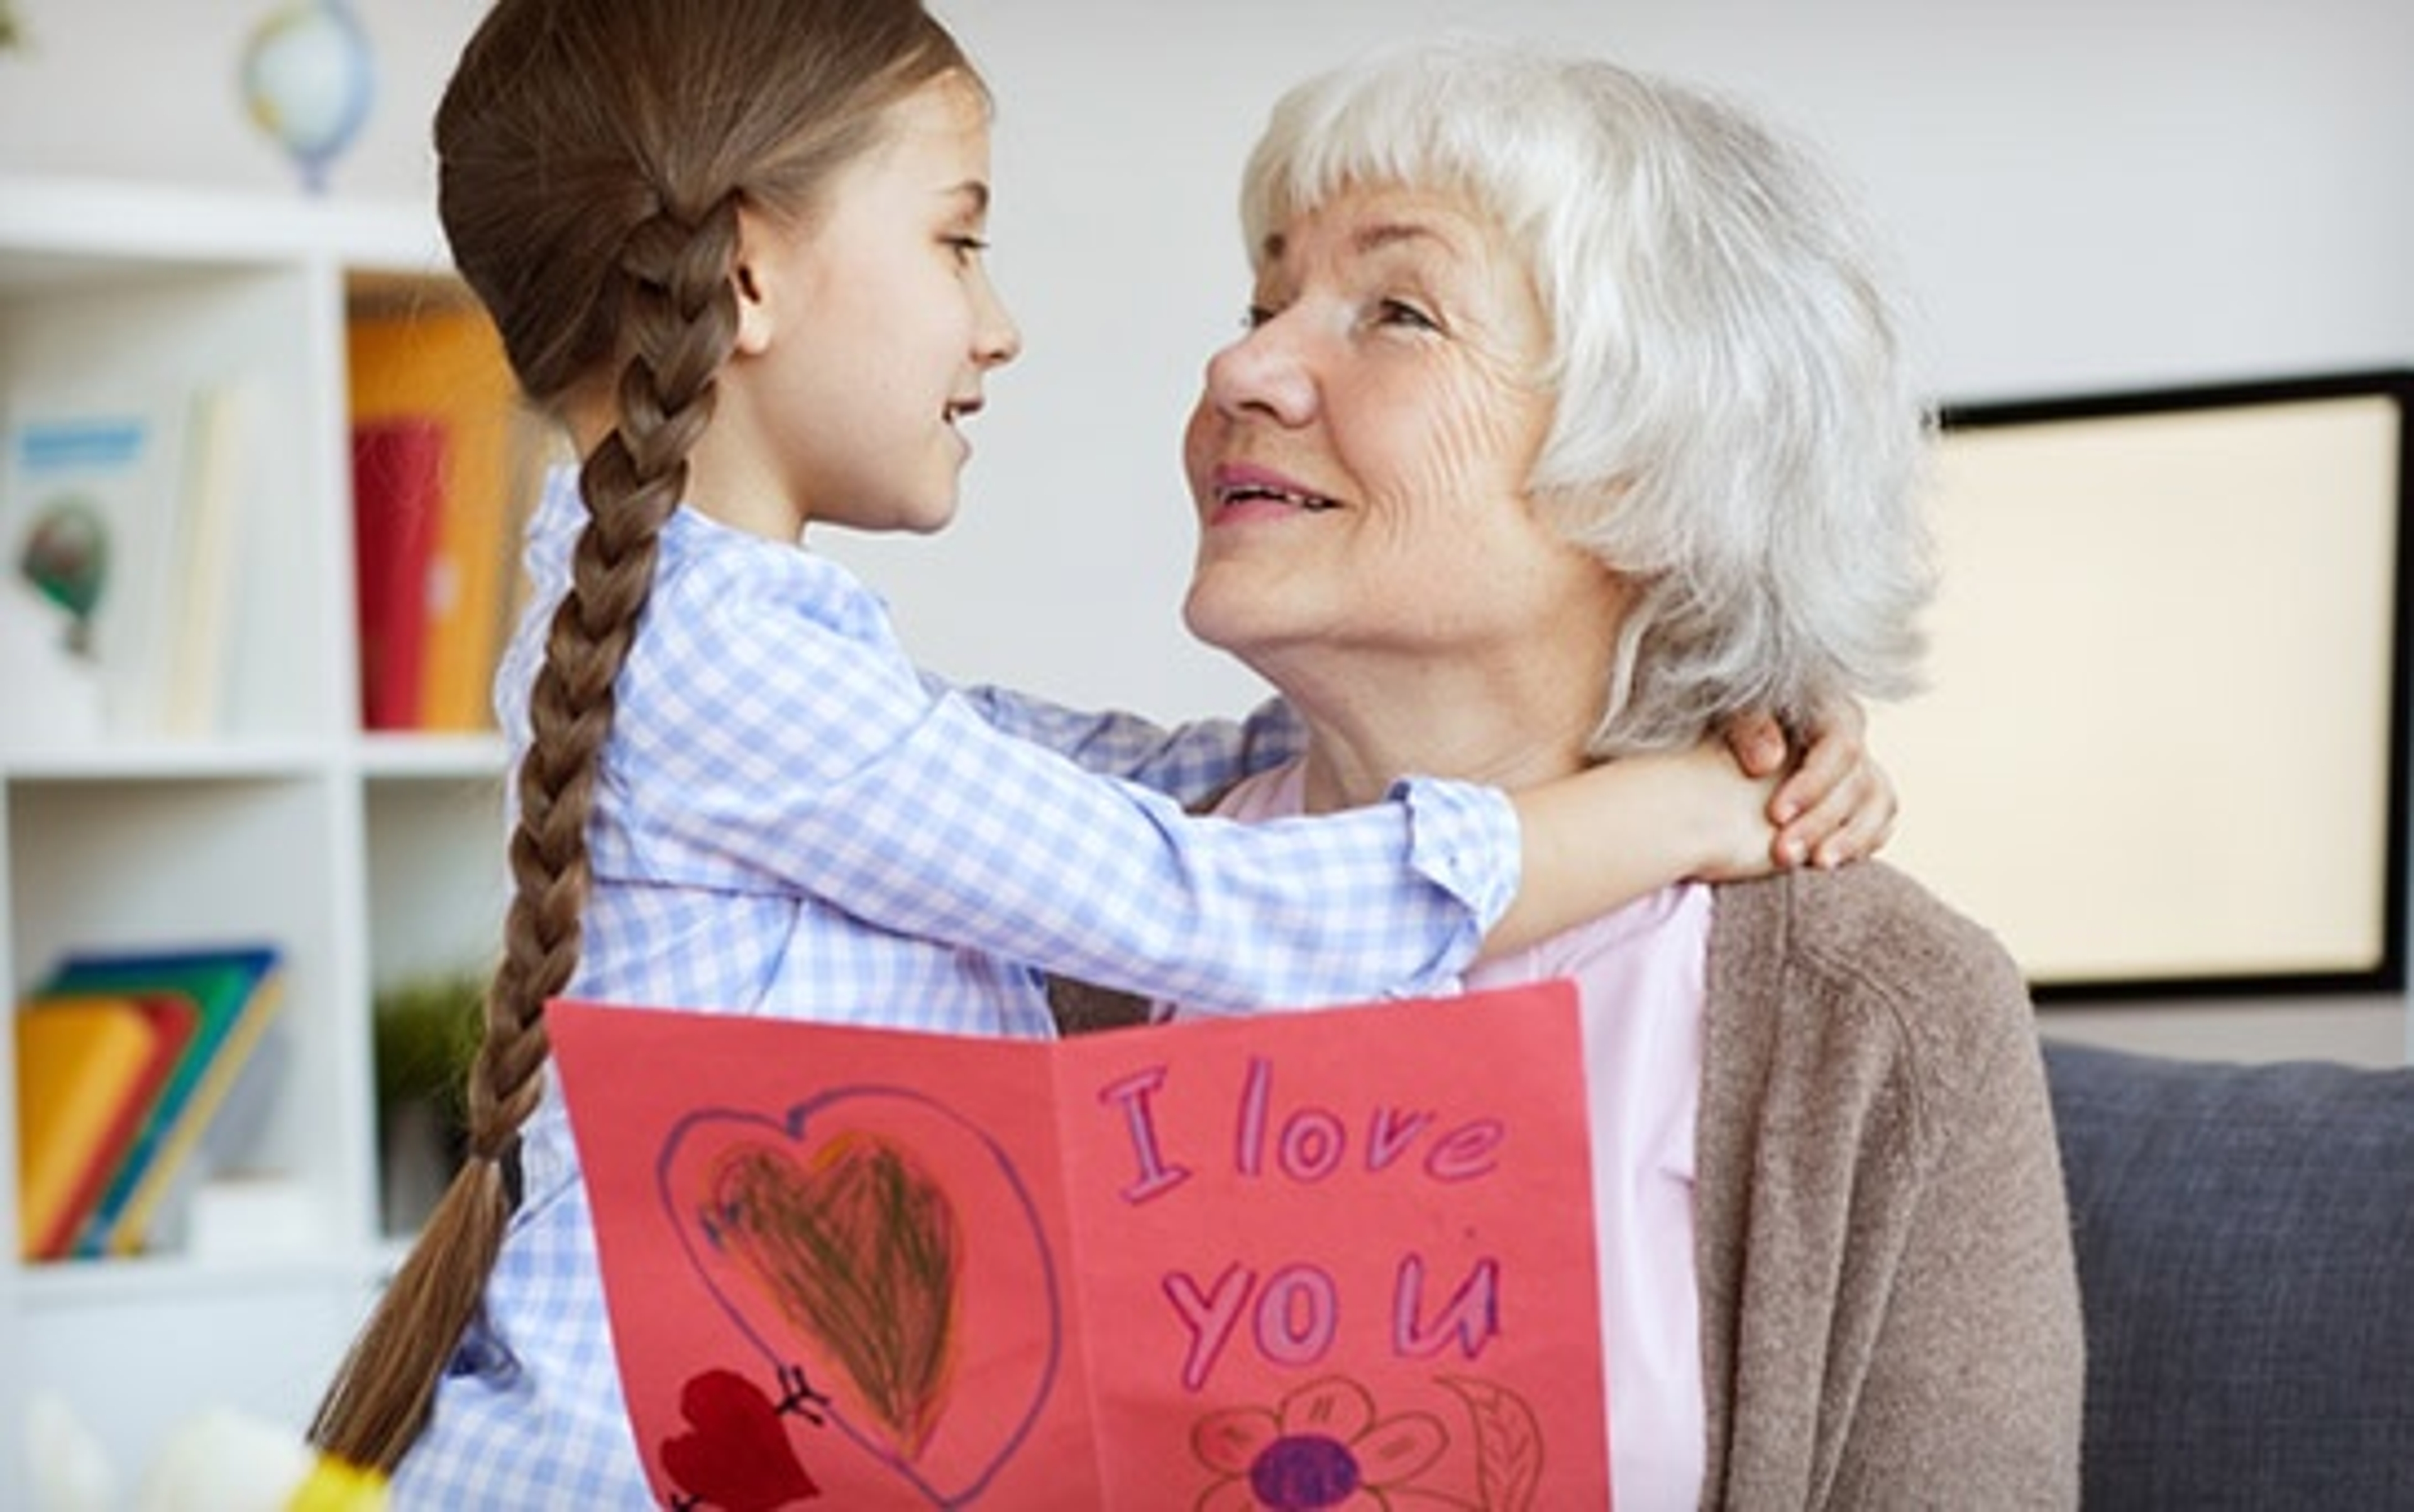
308 81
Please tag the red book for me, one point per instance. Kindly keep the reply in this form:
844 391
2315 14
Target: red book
397 497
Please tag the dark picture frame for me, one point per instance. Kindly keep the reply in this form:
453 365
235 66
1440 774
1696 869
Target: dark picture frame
2164 750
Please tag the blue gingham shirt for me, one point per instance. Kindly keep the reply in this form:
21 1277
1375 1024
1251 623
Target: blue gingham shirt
793 819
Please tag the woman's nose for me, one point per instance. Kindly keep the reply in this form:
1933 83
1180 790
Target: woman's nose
1264 372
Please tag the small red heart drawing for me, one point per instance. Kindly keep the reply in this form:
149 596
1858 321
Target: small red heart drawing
736 1456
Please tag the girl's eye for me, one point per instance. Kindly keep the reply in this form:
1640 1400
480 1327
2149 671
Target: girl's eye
1255 316
968 248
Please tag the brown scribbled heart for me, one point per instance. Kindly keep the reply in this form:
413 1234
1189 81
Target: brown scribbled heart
859 1250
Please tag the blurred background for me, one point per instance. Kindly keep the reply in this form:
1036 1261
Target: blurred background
2083 196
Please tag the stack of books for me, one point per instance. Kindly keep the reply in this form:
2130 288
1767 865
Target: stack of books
139 1073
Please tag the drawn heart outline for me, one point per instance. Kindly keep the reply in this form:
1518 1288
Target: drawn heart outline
946 1462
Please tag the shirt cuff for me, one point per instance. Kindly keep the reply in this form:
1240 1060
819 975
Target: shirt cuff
1464 839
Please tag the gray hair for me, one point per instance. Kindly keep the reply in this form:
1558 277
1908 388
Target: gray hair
1738 430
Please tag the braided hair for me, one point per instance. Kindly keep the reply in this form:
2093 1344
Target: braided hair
593 158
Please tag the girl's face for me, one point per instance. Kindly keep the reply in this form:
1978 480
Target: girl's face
865 334
1358 458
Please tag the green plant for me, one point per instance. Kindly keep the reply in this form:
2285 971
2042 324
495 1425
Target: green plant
426 1034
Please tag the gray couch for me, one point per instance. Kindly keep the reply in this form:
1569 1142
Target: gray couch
2245 1240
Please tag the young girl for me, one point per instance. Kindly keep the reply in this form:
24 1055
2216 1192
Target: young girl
735 246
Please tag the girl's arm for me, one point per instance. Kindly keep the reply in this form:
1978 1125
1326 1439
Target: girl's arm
1589 845
797 750
1607 836
1835 807
808 756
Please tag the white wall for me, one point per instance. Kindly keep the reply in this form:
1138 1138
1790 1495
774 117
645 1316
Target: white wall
2085 194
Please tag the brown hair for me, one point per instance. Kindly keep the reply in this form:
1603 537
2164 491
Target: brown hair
593 155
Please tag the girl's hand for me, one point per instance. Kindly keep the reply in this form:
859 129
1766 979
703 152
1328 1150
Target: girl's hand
1726 809
1837 804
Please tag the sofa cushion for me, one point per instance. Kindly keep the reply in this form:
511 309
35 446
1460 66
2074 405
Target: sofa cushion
2246 1245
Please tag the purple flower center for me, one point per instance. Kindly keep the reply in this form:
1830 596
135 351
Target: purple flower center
1302 1472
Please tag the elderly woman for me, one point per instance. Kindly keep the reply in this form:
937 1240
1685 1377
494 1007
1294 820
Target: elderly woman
1571 420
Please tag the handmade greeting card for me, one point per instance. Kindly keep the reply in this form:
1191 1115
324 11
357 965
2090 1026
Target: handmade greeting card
1342 1258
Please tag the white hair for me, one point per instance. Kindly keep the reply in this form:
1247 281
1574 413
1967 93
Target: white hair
1736 428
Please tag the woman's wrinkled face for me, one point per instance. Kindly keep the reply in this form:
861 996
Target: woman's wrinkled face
1359 458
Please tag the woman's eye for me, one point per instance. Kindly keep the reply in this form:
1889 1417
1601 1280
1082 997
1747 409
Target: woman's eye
968 248
1400 312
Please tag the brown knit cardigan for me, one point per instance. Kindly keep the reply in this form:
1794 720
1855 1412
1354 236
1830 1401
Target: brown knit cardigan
1889 1305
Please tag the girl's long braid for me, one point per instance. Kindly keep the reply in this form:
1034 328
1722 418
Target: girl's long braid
594 157
681 321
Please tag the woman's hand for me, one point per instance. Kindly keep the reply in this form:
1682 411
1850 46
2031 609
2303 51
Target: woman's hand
1837 805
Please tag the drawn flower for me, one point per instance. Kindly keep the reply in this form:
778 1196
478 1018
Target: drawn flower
1323 1448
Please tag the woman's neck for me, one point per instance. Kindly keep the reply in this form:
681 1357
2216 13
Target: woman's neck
1511 721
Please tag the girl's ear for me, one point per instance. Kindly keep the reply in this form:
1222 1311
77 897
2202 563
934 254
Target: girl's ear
753 314
748 277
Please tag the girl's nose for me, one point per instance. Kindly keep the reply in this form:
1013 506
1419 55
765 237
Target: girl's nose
996 340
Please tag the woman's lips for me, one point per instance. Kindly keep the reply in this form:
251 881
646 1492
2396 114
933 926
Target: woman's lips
1244 493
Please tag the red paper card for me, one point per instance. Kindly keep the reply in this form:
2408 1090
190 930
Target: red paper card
1260 1263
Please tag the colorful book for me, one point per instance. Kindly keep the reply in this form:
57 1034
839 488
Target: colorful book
91 520
225 1142
85 1067
74 1065
236 992
397 495
77 1066
227 430
1249 1262
444 364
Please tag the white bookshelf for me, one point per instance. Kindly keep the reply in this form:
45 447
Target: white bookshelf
368 860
